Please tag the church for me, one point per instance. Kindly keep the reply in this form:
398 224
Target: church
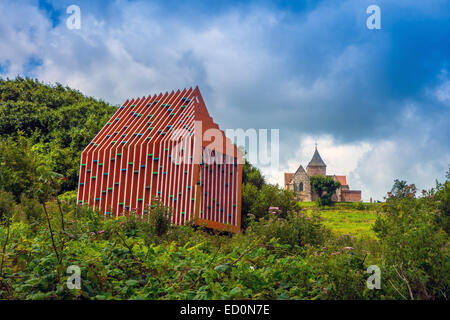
299 182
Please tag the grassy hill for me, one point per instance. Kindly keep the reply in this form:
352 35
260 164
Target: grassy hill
354 219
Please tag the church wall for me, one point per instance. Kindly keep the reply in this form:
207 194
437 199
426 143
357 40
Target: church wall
316 171
351 195
304 195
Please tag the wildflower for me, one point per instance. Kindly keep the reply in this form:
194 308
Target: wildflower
101 231
349 248
336 253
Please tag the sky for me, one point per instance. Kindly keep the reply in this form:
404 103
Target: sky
377 102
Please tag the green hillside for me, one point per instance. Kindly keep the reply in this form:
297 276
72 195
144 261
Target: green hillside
355 219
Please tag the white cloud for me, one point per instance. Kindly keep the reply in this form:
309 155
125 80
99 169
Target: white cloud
23 30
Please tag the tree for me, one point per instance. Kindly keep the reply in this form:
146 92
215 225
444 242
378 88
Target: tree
401 189
324 187
59 122
258 196
252 175
18 163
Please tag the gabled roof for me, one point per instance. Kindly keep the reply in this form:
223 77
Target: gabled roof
300 170
316 160
342 180
287 177
180 114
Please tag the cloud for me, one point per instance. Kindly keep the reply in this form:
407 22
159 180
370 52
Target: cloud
22 32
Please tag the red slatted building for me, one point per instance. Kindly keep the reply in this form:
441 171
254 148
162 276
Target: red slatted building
164 147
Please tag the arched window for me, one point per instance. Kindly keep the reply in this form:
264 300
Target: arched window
300 186
295 187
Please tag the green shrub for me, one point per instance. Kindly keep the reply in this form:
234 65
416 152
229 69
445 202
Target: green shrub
258 202
7 205
160 218
258 196
415 248
340 273
358 206
31 209
296 229
59 122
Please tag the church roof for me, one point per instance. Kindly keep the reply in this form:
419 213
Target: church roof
317 160
342 180
300 170
287 177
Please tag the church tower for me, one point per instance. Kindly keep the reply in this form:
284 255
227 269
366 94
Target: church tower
316 167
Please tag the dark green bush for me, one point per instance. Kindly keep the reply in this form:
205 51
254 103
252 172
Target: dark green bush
415 248
160 218
59 121
7 205
358 206
31 209
296 229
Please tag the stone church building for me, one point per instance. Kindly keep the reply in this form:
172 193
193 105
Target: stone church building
299 182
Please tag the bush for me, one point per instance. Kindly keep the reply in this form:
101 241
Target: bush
160 218
258 202
18 166
296 229
340 272
415 248
7 205
31 209
358 206
257 196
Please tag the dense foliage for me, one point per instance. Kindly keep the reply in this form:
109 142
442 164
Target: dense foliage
291 257
258 196
415 241
122 258
58 121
